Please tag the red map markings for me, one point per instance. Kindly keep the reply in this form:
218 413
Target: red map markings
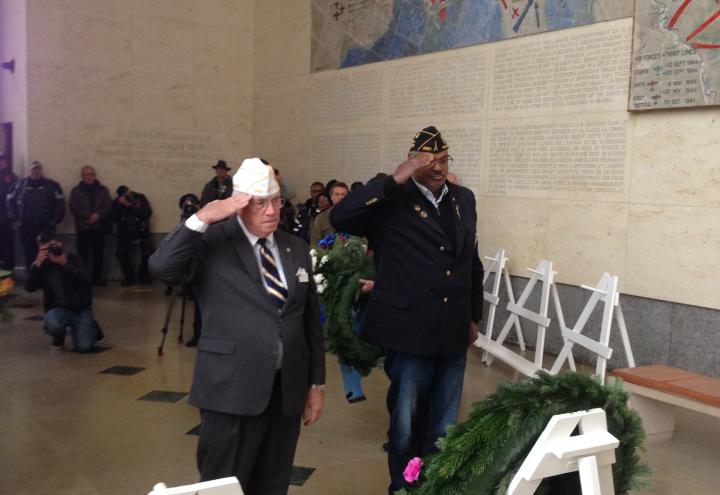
504 2
442 12
678 13
702 27
704 45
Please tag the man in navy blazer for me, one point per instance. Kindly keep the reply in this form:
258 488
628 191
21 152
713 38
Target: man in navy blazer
427 298
261 359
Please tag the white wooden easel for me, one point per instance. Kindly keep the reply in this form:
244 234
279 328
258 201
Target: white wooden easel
545 275
222 486
607 292
498 266
591 454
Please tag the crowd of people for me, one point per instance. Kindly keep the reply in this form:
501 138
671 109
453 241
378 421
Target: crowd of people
242 250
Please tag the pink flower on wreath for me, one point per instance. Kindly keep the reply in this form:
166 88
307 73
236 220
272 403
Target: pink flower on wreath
412 471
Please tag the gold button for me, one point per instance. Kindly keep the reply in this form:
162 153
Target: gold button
444 299
448 273
442 248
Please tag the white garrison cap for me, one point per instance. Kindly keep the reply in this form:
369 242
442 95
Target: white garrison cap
255 178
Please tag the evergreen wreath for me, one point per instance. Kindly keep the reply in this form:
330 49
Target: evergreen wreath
343 261
482 454
6 286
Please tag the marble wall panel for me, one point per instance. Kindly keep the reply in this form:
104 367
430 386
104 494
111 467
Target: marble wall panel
236 15
695 339
162 44
587 239
223 105
282 104
163 100
45 27
108 7
518 225
98 40
673 254
290 152
223 54
182 10
283 50
674 158
270 13
45 90
96 95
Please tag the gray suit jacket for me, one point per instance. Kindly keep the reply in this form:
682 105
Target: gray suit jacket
237 353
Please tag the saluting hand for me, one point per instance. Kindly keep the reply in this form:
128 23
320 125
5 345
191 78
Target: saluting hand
220 209
407 168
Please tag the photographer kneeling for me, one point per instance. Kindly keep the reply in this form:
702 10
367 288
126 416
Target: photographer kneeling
67 291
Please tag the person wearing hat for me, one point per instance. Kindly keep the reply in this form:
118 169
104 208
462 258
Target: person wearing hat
427 297
221 185
7 237
260 367
35 204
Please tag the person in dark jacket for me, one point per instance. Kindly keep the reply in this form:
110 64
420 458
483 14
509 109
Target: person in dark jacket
67 292
35 204
7 237
218 188
90 205
307 212
131 212
427 298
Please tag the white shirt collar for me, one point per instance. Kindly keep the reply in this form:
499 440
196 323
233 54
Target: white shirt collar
429 195
252 238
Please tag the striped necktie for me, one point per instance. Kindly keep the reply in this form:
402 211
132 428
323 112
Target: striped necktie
269 269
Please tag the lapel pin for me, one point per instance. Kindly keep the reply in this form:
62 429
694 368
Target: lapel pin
417 207
423 214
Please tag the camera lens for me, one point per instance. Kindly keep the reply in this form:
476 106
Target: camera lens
55 250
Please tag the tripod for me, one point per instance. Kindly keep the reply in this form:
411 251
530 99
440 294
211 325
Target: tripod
175 291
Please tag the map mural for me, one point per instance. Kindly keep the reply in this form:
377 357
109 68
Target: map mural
676 54
348 33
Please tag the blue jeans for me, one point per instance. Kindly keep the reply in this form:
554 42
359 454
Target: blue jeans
81 326
352 382
423 400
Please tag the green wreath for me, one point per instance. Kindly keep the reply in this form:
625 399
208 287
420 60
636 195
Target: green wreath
481 455
343 260
6 286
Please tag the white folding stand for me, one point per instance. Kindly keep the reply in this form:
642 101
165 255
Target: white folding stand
592 454
222 486
607 292
498 266
545 275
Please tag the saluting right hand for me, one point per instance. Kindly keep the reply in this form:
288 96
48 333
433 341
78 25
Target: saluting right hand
220 209
407 168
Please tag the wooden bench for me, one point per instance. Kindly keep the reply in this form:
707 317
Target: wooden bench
657 391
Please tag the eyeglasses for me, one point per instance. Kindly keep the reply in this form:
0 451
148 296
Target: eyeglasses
446 160
262 204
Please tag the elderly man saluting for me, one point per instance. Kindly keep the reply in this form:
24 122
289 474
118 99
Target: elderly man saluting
261 361
427 298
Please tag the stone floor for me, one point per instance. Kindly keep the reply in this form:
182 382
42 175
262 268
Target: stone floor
68 429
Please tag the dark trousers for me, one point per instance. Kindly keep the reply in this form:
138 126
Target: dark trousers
423 400
258 450
7 246
91 248
28 238
125 247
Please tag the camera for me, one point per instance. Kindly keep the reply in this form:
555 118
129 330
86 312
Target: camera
189 204
55 250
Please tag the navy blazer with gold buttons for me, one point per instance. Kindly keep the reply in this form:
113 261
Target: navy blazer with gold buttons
428 284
